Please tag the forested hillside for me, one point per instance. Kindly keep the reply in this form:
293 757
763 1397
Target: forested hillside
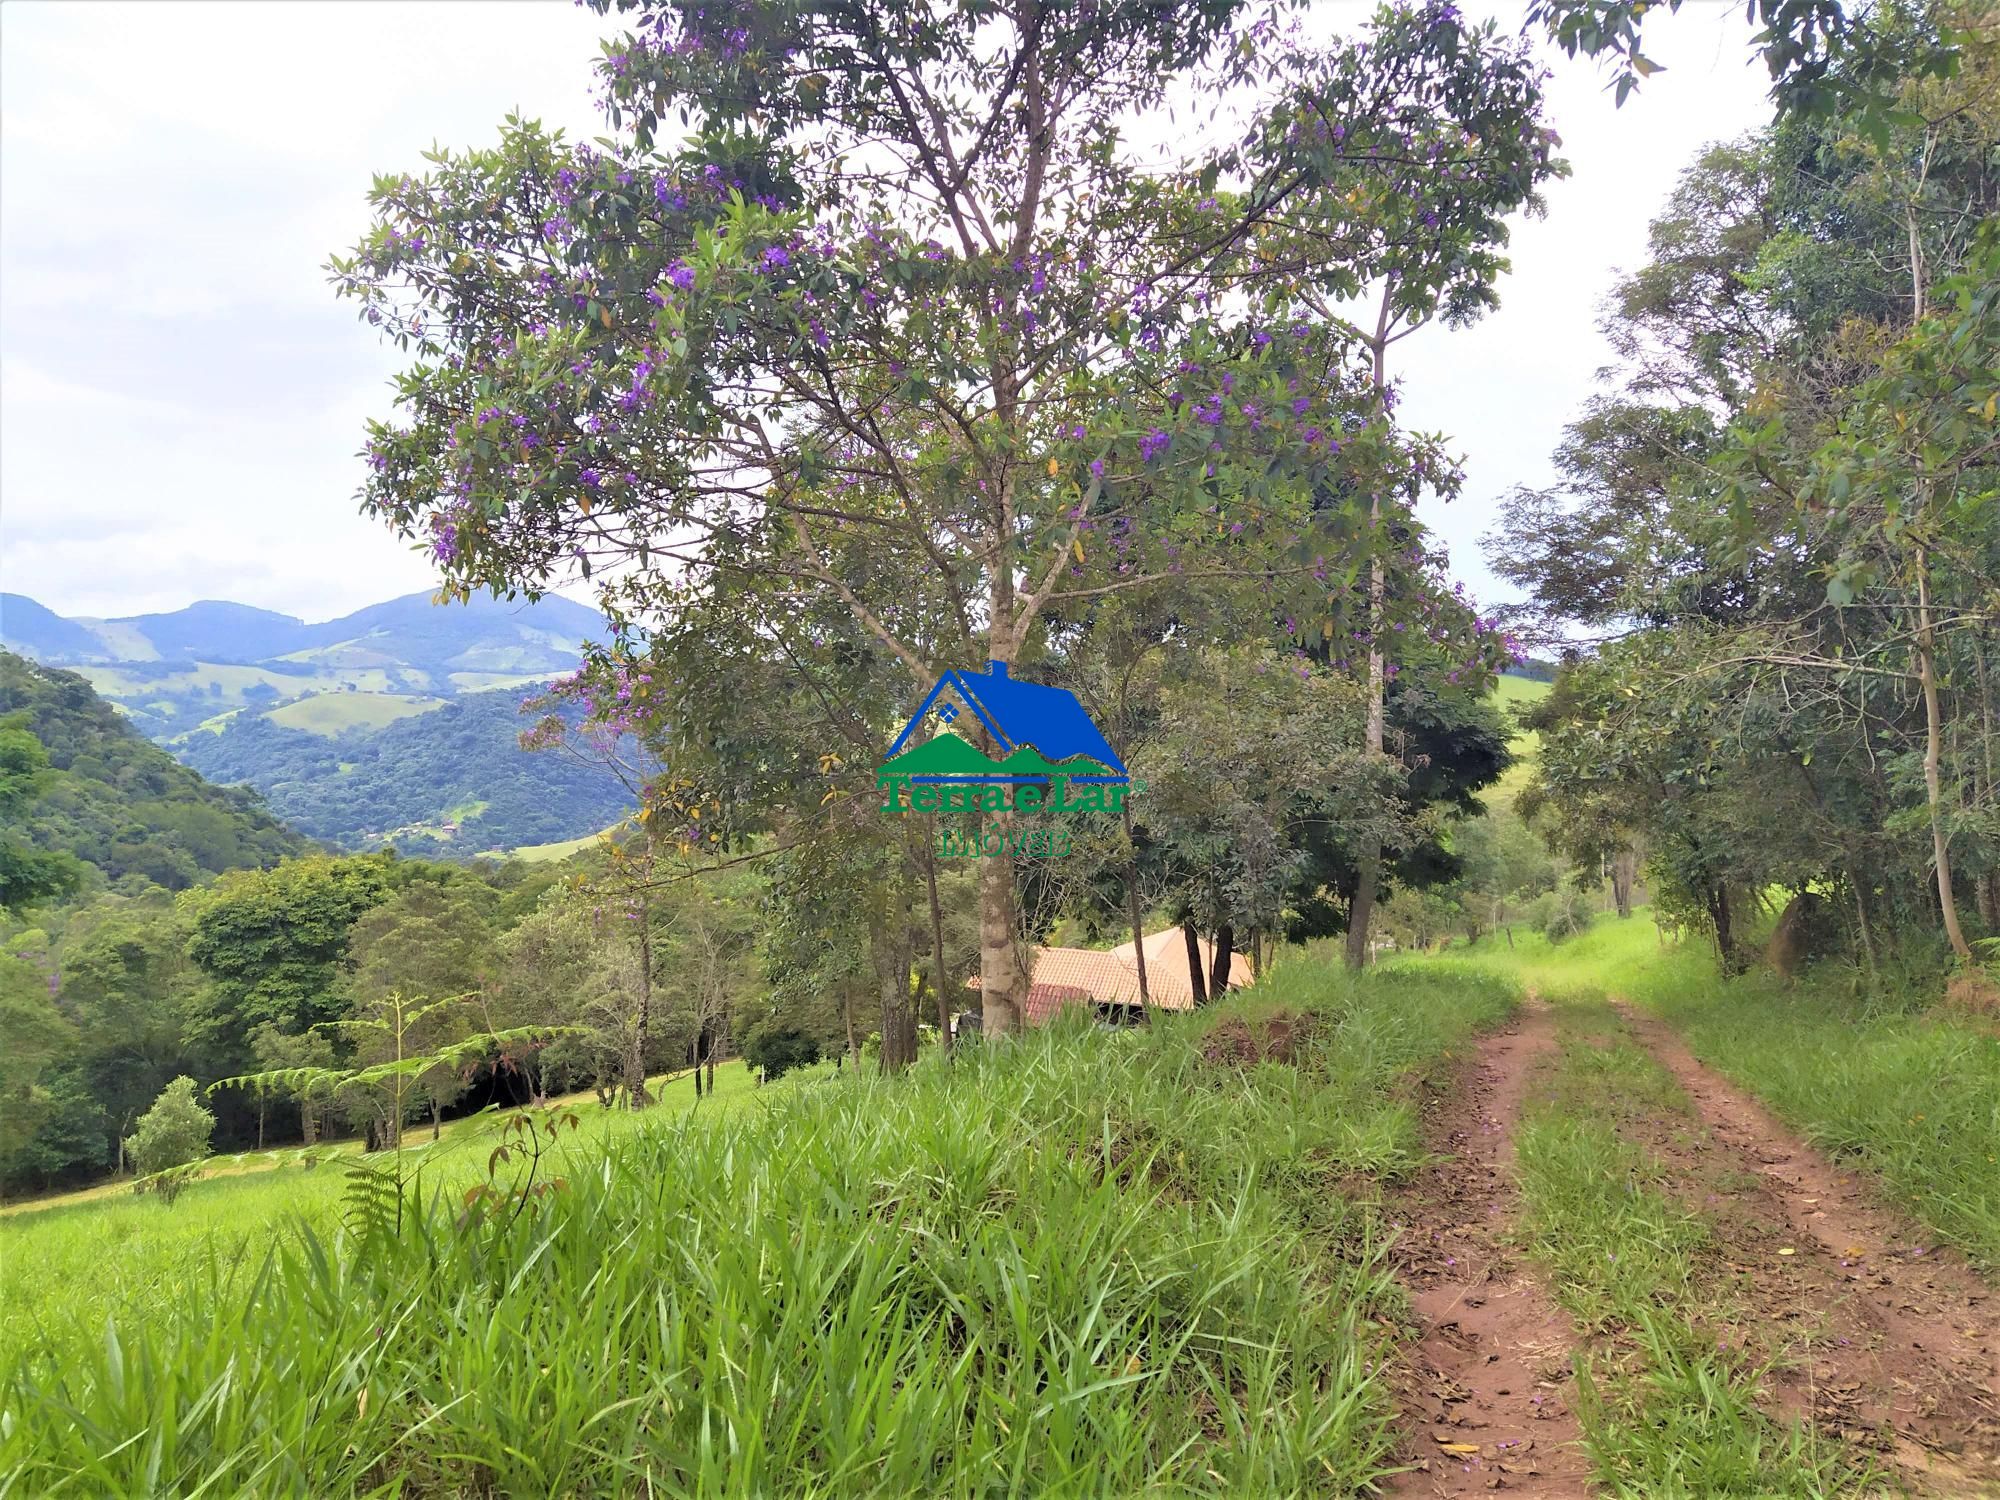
122 806
452 779
311 715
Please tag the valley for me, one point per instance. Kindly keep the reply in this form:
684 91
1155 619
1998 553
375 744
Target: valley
397 724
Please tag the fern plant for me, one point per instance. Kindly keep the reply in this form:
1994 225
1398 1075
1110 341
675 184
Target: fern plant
375 1195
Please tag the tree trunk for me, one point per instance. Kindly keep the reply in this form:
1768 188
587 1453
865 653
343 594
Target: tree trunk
1132 910
1003 988
892 979
1725 941
1196 979
1225 951
263 1103
937 942
1003 985
1624 870
635 1058
1933 749
847 1014
1361 911
1861 921
1369 865
694 1060
437 1119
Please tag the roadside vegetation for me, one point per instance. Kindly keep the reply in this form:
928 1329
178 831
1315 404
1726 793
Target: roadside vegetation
1121 1261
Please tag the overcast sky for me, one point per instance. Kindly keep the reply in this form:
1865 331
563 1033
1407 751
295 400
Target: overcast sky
181 397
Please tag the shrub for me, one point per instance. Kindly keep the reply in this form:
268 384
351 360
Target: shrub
173 1132
1562 913
780 1050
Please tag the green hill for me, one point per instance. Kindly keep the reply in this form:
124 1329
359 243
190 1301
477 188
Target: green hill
315 716
333 714
121 805
449 779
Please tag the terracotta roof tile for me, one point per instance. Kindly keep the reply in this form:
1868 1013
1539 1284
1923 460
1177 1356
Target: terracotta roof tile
1111 976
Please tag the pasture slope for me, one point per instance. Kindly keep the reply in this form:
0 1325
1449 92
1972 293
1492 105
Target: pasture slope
1461 1226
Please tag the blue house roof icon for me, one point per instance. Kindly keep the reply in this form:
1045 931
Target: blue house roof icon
1019 713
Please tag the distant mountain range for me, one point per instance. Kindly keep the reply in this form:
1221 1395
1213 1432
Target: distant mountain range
179 671
434 647
299 710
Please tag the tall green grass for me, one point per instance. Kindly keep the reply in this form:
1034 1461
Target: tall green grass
1613 954
111 1254
1074 1263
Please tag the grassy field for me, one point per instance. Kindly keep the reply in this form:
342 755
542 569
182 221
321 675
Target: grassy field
1508 691
481 682
670 1089
335 713
538 853
106 1252
1078 1261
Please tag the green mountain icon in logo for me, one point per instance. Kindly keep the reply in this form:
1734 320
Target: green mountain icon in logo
945 754
1028 761
941 755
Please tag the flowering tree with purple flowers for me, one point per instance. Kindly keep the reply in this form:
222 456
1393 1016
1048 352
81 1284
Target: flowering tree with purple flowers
906 320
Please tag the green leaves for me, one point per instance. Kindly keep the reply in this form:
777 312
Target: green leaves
650 343
1823 57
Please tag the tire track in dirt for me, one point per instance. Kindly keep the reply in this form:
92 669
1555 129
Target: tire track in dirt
1889 1335
1487 1385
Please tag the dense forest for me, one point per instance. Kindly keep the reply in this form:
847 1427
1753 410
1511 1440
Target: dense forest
452 780
124 807
1778 534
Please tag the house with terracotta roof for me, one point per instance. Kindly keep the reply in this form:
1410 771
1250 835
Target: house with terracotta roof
1107 979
